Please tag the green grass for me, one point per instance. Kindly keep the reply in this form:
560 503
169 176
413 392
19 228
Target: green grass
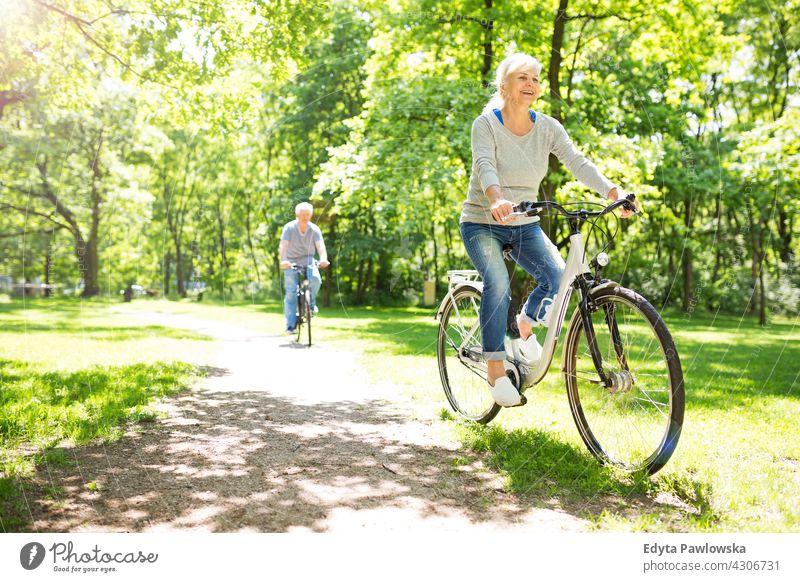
736 468
40 409
72 372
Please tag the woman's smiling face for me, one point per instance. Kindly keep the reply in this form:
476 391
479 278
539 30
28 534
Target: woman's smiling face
522 87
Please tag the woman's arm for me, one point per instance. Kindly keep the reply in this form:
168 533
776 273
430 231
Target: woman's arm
483 153
582 168
577 163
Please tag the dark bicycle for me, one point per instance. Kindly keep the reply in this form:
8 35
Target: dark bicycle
621 368
304 313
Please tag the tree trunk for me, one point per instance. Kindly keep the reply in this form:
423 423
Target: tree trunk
248 230
670 277
435 259
488 26
688 257
384 282
364 276
762 312
756 257
167 272
48 261
354 290
179 282
554 70
92 265
91 284
785 235
448 238
332 260
553 79
222 244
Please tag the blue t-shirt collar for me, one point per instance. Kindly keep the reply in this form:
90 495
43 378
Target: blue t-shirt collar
500 115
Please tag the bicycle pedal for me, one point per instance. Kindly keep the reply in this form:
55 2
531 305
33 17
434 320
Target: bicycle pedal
523 401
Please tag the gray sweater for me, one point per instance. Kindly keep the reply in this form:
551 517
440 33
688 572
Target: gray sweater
519 163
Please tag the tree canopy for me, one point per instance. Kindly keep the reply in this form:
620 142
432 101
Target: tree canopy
166 141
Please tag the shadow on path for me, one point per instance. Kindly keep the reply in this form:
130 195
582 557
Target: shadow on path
251 461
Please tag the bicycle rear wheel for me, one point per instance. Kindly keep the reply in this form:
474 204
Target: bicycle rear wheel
464 378
634 424
307 315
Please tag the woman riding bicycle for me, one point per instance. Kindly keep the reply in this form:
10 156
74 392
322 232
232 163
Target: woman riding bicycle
511 145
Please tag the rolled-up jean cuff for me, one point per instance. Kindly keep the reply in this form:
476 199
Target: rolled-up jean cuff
528 319
494 355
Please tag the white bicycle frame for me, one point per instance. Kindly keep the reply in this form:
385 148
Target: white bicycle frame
576 265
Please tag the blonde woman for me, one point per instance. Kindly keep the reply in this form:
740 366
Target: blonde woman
511 143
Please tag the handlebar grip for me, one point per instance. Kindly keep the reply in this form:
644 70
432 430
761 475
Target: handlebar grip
629 203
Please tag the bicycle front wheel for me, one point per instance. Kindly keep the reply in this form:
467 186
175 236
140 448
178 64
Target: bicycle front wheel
460 354
635 423
307 315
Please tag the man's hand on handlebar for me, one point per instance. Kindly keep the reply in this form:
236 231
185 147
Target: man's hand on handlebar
324 264
286 264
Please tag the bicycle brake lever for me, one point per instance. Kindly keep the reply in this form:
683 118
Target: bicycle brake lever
634 204
530 212
509 216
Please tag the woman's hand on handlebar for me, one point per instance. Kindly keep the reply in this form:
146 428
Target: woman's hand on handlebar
501 208
613 195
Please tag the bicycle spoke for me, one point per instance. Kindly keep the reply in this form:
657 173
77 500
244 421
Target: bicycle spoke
646 398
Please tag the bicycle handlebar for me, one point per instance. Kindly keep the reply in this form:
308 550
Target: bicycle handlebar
532 208
295 267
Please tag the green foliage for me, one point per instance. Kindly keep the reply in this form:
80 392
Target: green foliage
178 136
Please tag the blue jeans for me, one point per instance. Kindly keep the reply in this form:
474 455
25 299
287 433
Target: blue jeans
532 251
291 282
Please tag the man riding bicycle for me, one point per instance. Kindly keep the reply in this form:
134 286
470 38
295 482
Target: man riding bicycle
299 239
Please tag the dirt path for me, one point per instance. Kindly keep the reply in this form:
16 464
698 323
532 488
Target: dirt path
280 439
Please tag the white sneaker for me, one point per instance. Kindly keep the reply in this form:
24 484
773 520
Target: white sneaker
504 392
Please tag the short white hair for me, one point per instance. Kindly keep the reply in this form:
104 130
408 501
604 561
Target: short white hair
508 66
303 206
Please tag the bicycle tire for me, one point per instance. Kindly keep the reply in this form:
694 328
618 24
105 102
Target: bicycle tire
299 324
636 427
307 304
466 390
